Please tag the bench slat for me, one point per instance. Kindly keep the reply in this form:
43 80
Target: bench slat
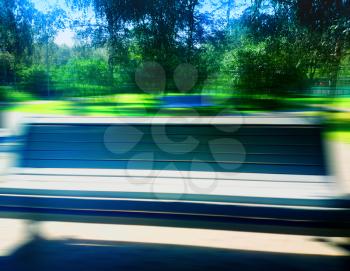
189 157
277 149
178 148
185 129
235 167
150 139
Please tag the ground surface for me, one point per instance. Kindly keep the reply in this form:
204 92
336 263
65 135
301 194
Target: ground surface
79 246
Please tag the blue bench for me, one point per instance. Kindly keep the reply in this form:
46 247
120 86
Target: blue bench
186 101
216 173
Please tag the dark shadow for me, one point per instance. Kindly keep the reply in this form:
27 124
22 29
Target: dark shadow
72 254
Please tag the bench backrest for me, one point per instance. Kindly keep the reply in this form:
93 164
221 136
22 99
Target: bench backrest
252 148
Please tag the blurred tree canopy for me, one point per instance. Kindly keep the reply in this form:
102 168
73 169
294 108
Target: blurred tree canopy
328 23
16 38
269 48
23 30
168 32
16 17
311 36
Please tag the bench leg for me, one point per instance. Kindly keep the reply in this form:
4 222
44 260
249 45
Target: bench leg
33 229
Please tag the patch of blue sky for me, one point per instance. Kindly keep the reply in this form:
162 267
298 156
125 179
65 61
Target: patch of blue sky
64 36
67 36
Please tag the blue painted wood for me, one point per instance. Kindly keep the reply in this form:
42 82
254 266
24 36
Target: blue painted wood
276 149
176 148
193 129
189 157
186 101
178 207
321 202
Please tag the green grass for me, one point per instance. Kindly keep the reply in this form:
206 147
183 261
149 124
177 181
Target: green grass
340 102
45 107
338 128
10 94
125 99
339 136
146 105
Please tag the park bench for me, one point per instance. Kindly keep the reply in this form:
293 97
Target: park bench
264 172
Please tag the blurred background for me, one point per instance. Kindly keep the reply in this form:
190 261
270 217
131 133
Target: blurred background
146 58
103 58
174 58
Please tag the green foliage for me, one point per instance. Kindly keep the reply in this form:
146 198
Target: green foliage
10 94
273 49
34 79
83 77
259 68
6 67
2 94
321 27
89 71
20 96
78 77
166 32
15 27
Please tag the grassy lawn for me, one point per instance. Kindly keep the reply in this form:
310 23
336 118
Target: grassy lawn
44 107
100 106
340 102
114 105
339 135
338 127
124 103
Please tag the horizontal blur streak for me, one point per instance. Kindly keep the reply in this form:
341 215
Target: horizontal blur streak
13 235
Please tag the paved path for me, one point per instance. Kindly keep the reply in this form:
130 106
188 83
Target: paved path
79 246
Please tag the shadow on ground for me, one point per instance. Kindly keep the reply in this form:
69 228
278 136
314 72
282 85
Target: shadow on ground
73 254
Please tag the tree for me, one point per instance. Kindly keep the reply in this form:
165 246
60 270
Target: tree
165 31
6 68
16 38
330 21
320 29
47 26
258 69
16 17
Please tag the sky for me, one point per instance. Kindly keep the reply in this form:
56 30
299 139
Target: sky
66 36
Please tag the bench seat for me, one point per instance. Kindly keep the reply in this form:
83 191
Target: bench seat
266 171
315 211
178 184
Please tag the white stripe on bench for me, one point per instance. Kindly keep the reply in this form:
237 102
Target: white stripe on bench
178 185
173 174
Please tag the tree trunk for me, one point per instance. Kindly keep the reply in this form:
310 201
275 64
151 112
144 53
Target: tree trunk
335 70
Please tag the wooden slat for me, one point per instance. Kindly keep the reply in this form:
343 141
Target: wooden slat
185 130
189 157
233 187
160 139
177 148
277 149
234 167
115 172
